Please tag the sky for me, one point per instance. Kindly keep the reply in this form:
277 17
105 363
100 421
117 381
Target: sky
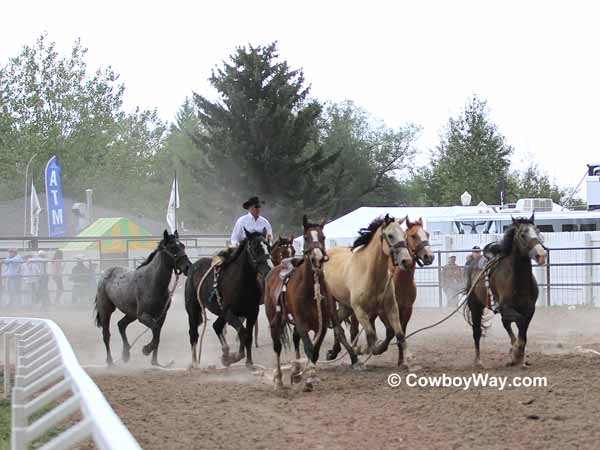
535 62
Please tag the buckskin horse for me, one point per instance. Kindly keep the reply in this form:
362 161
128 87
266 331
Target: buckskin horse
417 240
236 294
302 296
360 280
142 294
511 283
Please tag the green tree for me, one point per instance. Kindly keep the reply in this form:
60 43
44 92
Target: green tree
533 183
50 104
371 159
255 136
472 156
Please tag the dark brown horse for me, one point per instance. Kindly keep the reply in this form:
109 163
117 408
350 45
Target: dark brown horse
282 248
305 300
512 285
405 289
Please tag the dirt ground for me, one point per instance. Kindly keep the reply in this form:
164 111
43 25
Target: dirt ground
235 408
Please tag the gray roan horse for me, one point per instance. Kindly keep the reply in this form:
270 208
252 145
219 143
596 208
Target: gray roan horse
142 294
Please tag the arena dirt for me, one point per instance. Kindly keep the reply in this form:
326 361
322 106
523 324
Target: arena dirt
233 409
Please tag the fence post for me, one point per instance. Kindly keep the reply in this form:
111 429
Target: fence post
588 289
439 279
548 298
6 366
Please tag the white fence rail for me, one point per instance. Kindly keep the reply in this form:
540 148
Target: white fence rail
47 372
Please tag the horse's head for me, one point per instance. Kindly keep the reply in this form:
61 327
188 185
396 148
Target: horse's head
417 239
283 248
393 243
528 239
171 246
314 243
259 252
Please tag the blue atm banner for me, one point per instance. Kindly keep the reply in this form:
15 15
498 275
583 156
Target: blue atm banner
56 213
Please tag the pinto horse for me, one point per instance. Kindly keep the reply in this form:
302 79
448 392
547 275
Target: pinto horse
511 283
237 294
417 240
142 294
360 280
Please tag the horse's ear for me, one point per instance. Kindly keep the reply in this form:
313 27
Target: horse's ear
420 221
246 233
166 235
304 221
532 217
176 234
291 237
513 220
400 222
323 222
279 238
408 222
386 219
264 232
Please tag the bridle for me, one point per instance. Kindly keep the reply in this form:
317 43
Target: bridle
283 247
252 257
175 257
315 245
415 252
531 243
394 248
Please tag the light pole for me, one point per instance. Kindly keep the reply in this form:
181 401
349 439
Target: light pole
25 213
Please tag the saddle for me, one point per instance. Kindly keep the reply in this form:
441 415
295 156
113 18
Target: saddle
288 267
491 252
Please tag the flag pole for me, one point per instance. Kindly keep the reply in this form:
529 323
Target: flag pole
25 211
176 199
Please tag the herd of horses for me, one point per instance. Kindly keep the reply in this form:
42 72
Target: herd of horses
321 289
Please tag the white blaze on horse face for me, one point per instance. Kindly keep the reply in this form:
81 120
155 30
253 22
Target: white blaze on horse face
537 253
317 253
396 234
268 255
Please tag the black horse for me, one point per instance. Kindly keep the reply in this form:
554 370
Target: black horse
236 296
512 285
141 294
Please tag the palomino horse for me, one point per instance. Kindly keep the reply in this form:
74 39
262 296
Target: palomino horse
142 294
306 300
360 280
511 283
237 294
417 240
282 248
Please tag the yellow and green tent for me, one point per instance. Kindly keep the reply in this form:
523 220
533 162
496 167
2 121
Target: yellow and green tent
112 227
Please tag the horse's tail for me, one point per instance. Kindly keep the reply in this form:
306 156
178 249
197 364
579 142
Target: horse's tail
285 329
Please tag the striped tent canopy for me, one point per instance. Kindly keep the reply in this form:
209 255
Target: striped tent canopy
112 226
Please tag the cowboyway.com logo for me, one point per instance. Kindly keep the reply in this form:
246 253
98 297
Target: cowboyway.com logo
475 380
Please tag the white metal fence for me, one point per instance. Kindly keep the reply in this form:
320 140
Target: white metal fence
47 373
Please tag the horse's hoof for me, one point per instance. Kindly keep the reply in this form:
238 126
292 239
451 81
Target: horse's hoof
358 366
379 347
236 357
147 349
295 378
313 380
225 360
250 366
331 355
308 387
125 357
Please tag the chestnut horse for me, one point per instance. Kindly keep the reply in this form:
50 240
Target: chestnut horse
512 284
304 299
417 240
360 279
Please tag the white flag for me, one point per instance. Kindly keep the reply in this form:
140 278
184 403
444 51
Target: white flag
36 209
173 205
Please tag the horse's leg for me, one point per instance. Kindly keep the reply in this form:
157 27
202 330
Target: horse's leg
251 321
156 340
194 319
219 326
123 323
106 336
104 309
476 308
507 324
236 323
276 328
337 317
392 315
295 375
309 350
519 350
256 333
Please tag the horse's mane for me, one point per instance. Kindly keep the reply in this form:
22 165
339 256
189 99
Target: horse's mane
148 259
366 234
240 248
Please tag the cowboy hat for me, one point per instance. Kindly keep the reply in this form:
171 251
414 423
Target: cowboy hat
252 202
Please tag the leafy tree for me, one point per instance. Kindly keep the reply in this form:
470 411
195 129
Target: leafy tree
533 183
472 156
371 157
50 104
255 136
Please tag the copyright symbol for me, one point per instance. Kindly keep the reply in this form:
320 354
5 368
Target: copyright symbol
394 380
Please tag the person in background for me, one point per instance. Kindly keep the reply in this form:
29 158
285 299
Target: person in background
252 221
12 273
452 281
42 293
80 276
30 271
57 266
473 257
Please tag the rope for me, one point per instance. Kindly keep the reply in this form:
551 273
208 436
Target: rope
318 298
210 269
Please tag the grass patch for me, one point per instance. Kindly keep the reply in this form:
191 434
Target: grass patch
4 418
